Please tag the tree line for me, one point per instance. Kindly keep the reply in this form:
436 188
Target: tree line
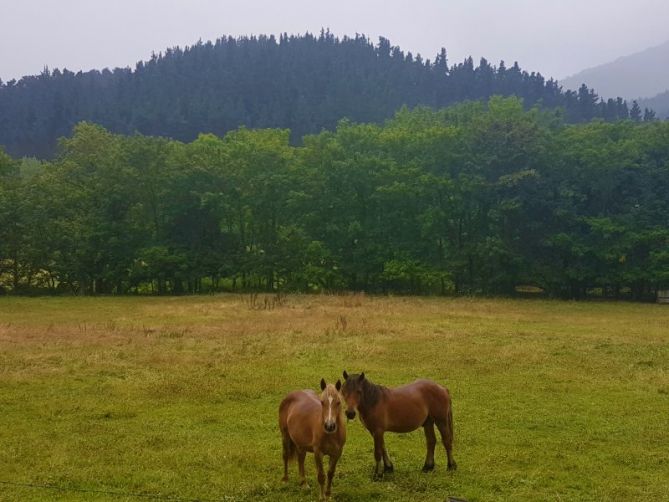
302 83
478 198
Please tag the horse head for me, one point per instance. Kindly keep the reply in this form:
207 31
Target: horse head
352 393
331 403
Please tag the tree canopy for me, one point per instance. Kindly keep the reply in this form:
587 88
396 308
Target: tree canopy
474 198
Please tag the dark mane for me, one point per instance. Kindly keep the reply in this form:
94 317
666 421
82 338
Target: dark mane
371 393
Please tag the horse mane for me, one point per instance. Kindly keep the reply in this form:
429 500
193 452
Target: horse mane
371 393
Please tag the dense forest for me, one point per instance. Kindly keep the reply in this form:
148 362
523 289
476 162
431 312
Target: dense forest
476 198
302 83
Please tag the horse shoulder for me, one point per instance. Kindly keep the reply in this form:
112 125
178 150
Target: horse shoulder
376 418
366 419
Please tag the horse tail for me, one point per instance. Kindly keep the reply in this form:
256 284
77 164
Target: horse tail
448 425
449 419
289 450
448 441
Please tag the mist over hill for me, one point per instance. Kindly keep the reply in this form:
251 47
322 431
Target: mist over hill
303 83
641 75
659 103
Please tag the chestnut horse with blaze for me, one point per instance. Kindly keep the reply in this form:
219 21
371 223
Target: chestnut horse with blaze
401 409
312 423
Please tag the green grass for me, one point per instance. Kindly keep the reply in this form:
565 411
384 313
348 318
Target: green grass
179 396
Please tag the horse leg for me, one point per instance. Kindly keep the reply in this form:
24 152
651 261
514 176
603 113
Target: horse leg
301 454
318 457
332 465
378 455
431 440
387 463
446 431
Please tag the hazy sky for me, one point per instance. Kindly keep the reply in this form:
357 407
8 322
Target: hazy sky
557 38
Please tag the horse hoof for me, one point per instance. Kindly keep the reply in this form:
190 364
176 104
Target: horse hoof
284 479
388 468
452 466
428 468
378 476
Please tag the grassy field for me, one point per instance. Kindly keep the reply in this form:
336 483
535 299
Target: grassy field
178 397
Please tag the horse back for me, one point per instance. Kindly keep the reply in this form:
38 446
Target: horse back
422 387
409 406
302 402
436 396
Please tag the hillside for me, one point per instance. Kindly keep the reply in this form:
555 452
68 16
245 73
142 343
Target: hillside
304 83
659 103
644 74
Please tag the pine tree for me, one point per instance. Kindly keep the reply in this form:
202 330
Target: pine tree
649 115
587 102
635 112
441 62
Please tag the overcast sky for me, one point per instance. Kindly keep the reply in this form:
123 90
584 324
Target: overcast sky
556 37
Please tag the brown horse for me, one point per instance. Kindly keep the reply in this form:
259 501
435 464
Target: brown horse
402 409
312 423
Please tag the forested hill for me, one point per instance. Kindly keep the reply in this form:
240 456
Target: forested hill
304 83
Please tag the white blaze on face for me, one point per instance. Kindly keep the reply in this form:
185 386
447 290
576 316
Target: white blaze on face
330 408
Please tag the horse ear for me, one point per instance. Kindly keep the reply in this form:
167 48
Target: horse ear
345 375
362 376
338 385
323 384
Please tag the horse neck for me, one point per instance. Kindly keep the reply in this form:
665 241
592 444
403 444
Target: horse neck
371 396
341 421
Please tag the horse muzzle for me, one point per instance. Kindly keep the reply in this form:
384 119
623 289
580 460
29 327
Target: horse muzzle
330 427
350 414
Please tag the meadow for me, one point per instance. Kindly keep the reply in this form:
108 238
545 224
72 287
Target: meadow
176 398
